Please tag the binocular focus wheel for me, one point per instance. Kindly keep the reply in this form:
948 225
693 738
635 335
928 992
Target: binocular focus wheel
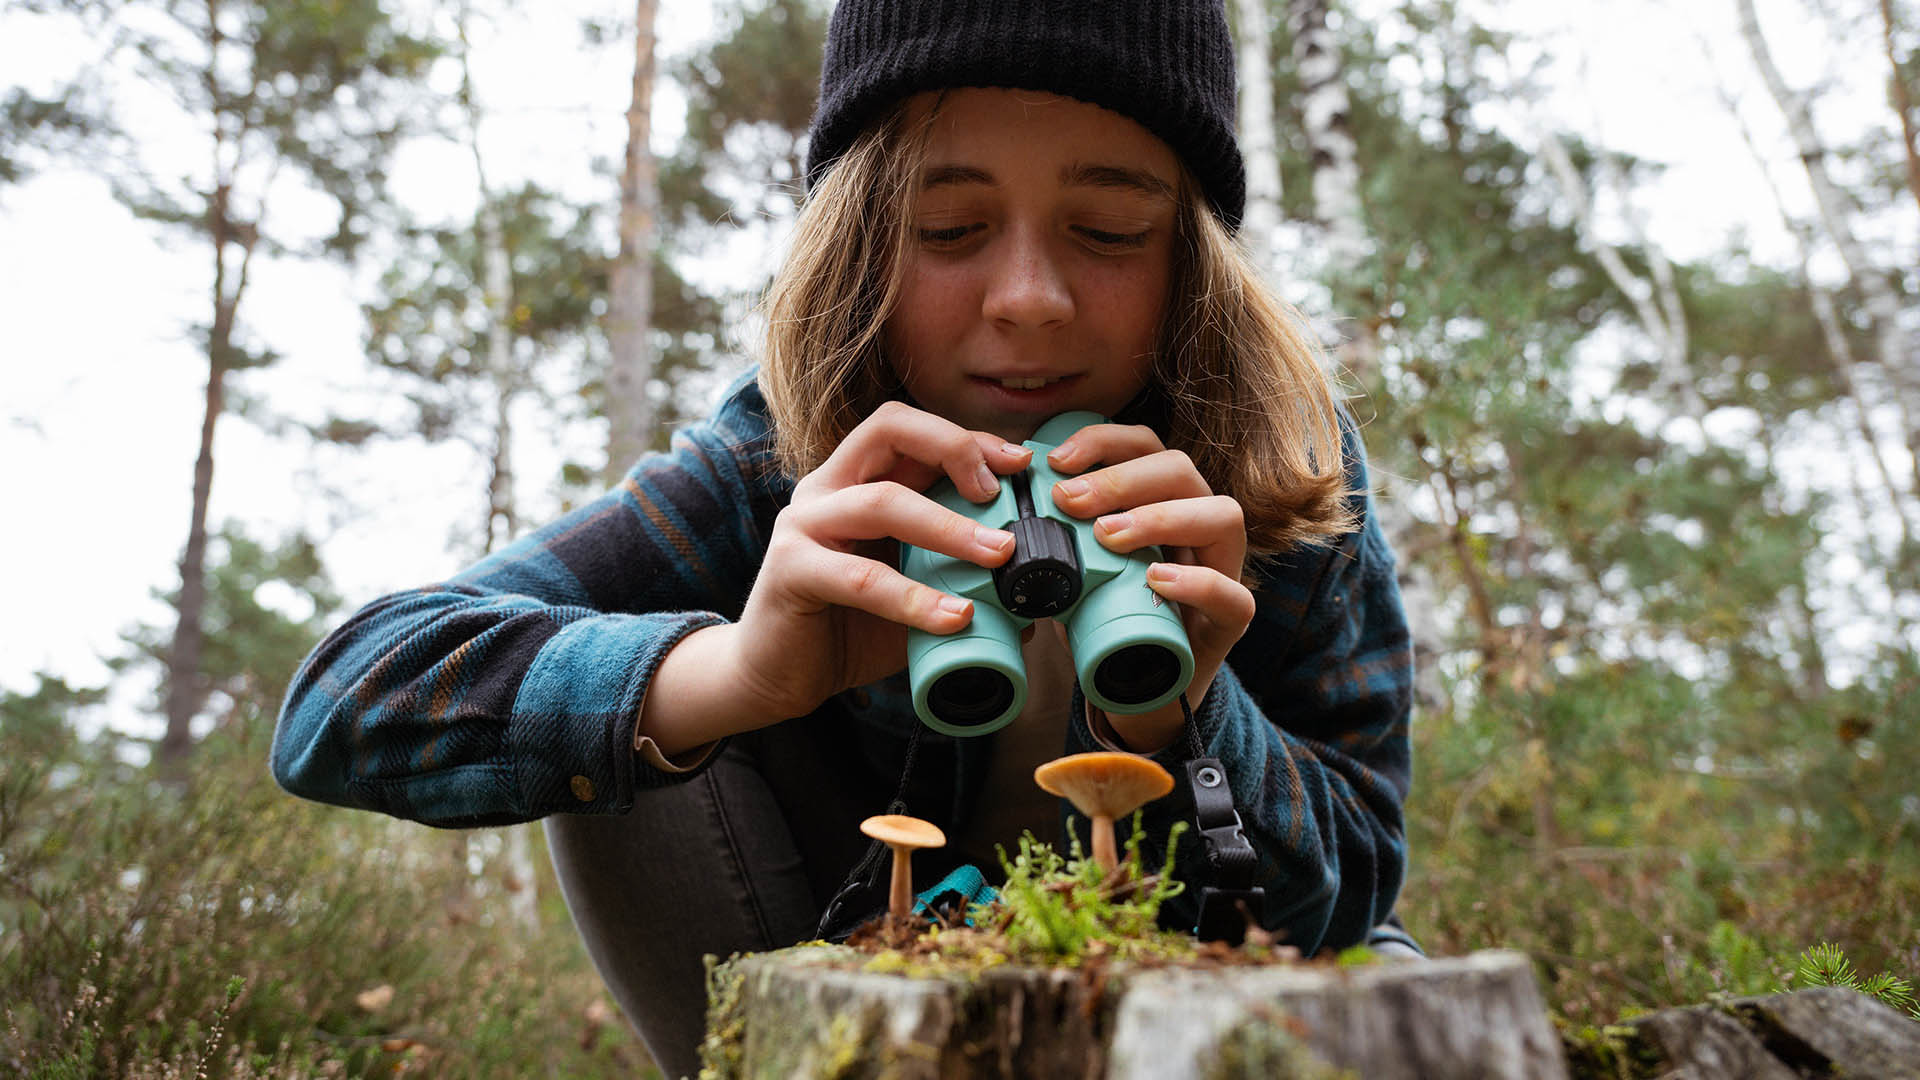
1137 674
969 697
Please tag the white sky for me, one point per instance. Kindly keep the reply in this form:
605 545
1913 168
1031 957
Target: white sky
100 392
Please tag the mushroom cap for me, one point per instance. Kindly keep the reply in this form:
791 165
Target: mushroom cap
1104 783
899 830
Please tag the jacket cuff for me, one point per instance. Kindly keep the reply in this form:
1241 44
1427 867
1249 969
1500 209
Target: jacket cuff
572 738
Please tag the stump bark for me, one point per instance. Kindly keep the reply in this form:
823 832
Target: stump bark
795 1013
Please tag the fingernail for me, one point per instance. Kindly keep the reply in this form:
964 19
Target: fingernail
1076 487
953 604
1016 451
993 539
1059 456
1163 572
988 480
1116 523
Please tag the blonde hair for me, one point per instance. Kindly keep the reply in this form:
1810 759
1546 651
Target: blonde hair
1237 384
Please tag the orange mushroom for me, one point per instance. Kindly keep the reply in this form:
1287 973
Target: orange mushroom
1104 786
904 835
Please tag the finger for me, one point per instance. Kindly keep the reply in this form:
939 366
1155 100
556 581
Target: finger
1104 443
1003 458
850 581
912 446
1224 606
1213 527
887 510
1158 477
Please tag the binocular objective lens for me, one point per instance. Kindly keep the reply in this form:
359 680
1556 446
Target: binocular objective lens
1137 673
970 696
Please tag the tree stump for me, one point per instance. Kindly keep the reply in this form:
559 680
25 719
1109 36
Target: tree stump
809 1011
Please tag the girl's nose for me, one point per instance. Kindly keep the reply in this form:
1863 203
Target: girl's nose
1028 289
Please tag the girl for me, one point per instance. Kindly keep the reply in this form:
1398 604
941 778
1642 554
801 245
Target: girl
1014 210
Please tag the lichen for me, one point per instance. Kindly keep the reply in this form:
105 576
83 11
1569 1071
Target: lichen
1608 1052
841 1048
722 1046
1261 1046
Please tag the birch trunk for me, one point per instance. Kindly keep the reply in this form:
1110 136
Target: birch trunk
1656 305
1872 281
1327 112
630 304
1257 141
1839 352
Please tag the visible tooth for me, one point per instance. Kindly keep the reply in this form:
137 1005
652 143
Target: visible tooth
1026 384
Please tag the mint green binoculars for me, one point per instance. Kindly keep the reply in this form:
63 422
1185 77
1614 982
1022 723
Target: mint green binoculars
1129 646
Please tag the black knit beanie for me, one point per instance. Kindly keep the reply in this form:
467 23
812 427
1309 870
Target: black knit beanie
1166 64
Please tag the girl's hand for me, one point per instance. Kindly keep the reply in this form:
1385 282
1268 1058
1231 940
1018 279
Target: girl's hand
1148 494
829 611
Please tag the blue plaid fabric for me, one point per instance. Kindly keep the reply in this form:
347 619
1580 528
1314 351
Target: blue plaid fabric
512 690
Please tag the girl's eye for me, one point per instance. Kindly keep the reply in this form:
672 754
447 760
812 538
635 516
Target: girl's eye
1118 241
948 236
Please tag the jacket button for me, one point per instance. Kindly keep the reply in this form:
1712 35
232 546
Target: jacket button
583 789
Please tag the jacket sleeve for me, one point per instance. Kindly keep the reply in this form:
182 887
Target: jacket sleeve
513 690
1309 716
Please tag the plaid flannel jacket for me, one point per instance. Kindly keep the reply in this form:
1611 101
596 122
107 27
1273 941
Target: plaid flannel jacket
512 691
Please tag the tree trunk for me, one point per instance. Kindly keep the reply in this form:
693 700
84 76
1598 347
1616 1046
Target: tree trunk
1869 278
185 690
1327 114
630 303
1257 142
1657 307
503 520
1839 353
1902 101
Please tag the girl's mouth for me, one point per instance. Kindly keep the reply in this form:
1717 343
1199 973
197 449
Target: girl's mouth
1037 393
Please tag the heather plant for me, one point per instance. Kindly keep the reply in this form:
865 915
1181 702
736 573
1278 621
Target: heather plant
1653 841
226 929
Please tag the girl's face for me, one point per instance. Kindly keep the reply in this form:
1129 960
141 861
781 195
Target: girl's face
1038 281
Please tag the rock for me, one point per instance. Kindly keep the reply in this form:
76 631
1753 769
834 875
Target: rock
792 1013
1819 1032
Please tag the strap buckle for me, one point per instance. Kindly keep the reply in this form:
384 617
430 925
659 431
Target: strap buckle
1226 904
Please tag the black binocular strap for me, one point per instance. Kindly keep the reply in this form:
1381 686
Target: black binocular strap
1231 898
866 873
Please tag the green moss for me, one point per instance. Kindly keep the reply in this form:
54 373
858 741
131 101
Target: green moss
1356 956
1261 1047
1058 910
722 1046
1608 1052
841 1048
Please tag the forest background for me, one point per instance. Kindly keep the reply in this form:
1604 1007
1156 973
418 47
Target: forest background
1626 293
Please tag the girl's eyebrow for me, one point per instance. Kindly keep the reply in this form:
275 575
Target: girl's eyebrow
939 175
1078 174
1116 177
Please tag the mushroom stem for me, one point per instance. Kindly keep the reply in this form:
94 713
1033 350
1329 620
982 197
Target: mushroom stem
902 834
900 896
1105 853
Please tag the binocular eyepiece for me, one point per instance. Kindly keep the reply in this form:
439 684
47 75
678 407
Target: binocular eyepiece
1129 646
